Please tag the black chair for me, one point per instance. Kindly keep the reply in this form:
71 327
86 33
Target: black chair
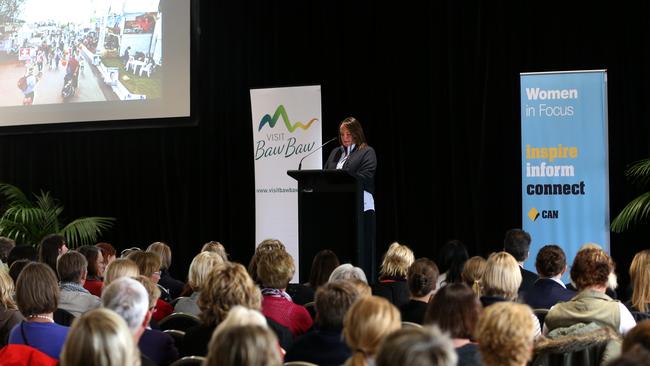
63 317
311 308
173 302
189 361
177 335
179 321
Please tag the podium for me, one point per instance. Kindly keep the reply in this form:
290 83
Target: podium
330 216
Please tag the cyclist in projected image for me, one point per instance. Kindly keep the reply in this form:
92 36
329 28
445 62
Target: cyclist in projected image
71 78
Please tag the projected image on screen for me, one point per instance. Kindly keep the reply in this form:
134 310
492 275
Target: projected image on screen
93 60
81 51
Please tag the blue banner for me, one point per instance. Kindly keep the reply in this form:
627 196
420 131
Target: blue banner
564 172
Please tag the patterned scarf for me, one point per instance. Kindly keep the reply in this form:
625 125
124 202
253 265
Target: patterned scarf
72 287
276 292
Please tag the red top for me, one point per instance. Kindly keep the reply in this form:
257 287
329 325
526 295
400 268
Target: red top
295 317
162 310
19 355
94 287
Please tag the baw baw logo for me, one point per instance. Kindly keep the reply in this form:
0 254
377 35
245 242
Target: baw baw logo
281 112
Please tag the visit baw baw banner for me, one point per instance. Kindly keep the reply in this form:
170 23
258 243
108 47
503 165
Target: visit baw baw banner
565 186
287 125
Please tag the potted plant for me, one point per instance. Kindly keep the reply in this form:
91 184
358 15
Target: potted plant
639 208
27 221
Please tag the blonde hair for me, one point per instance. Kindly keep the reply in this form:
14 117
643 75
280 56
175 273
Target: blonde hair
201 267
362 287
502 276
100 337
216 247
227 286
164 251
473 272
239 316
640 277
121 267
147 262
396 262
7 289
275 268
152 289
266 246
246 345
505 334
366 324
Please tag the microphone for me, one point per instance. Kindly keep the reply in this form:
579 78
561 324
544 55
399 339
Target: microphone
320 147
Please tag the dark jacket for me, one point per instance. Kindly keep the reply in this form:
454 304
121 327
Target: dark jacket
322 347
397 292
362 163
528 279
158 346
545 293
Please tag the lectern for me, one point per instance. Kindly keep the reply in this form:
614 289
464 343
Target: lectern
330 216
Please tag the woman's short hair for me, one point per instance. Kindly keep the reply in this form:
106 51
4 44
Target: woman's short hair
201 266
472 273
107 251
91 253
7 291
100 337
164 251
455 308
505 334
396 262
216 247
275 269
147 262
354 127
129 299
332 301
153 292
366 324
421 277
550 261
362 287
267 245
640 277
227 285
37 290
239 315
71 266
321 268
346 271
121 267
502 276
48 249
426 346
639 335
591 267
246 345
17 267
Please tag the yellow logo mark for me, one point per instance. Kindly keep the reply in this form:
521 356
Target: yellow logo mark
533 214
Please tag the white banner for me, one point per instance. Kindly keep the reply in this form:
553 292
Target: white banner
287 125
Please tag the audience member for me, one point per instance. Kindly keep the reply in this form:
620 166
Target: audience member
216 247
417 347
128 298
172 285
612 280
392 274
455 309
366 324
6 245
17 267
246 345
37 295
94 281
639 335
100 338
74 298
324 345
149 266
200 269
9 314
473 273
452 258
590 272
274 271
156 345
637 356
20 252
421 279
322 266
361 286
267 245
505 334
517 243
121 267
640 278
50 248
346 271
549 289
108 253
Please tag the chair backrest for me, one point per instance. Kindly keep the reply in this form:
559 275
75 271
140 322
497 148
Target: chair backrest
188 361
299 363
174 301
411 325
311 308
177 335
179 321
541 315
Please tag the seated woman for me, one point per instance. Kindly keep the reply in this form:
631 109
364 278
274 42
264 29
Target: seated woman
200 268
417 346
275 269
505 334
421 279
37 295
100 337
640 277
392 274
149 266
473 273
9 314
173 286
94 279
50 248
244 345
455 310
452 258
590 272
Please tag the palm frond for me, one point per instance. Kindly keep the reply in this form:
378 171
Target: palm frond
86 230
14 196
639 172
635 211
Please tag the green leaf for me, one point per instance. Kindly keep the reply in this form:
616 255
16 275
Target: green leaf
635 211
86 230
639 172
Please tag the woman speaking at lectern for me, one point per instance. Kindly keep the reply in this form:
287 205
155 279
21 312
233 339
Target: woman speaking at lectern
355 156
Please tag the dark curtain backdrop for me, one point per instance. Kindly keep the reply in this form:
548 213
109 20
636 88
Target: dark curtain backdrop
435 84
